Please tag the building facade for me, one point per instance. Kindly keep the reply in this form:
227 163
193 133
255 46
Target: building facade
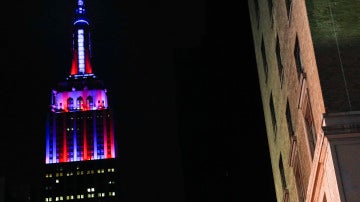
81 156
307 60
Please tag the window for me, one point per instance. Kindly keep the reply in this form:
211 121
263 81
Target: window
89 102
79 103
272 111
288 7
270 6
263 53
297 55
70 104
309 125
298 180
283 180
257 11
293 143
289 120
100 104
279 61
282 173
324 199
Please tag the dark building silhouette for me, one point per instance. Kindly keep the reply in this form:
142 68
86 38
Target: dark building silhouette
81 154
2 189
15 190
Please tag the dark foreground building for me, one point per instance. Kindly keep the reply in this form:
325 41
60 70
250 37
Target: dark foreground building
81 154
307 55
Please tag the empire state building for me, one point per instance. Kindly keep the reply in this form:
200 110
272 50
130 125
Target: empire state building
81 155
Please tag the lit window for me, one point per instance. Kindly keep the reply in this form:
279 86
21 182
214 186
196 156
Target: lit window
91 189
91 195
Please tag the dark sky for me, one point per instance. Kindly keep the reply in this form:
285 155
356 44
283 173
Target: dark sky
182 81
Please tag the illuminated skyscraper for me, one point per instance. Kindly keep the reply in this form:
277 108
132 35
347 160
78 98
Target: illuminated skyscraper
81 156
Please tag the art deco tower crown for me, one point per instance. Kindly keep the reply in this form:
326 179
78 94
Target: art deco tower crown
81 160
80 125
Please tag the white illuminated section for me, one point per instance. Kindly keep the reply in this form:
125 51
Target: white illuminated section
81 20
80 2
81 52
75 143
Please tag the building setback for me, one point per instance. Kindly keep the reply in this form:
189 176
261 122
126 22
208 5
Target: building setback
81 154
307 55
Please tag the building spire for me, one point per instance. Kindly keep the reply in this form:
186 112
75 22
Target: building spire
81 49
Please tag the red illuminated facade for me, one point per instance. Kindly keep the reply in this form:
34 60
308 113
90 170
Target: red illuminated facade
80 160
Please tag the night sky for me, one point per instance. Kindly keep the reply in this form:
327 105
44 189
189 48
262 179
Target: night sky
182 81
